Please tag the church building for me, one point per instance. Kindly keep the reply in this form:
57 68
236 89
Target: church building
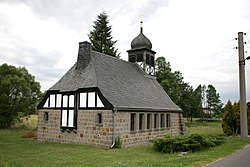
101 99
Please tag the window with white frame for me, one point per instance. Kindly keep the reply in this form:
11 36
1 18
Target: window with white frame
83 99
53 101
68 103
68 111
90 100
58 100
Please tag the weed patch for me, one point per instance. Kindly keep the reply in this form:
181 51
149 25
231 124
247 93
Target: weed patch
30 134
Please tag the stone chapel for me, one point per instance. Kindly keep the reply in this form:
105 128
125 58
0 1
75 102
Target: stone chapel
103 98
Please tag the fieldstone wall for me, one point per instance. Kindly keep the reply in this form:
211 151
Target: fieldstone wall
90 131
144 136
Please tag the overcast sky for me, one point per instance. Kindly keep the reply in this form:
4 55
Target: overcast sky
195 36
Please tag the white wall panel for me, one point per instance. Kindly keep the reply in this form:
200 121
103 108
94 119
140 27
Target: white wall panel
58 100
99 102
46 103
71 118
83 99
64 117
91 99
52 101
65 101
71 100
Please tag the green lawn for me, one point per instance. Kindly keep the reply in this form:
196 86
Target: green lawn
204 127
18 151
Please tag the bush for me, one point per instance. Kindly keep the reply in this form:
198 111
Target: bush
231 118
118 142
194 142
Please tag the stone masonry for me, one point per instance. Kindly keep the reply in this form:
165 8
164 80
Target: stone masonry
90 132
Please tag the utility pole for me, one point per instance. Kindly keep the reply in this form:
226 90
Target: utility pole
242 83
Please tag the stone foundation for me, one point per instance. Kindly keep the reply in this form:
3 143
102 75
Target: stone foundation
90 131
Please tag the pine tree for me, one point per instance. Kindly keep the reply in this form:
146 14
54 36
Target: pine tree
213 100
101 38
231 119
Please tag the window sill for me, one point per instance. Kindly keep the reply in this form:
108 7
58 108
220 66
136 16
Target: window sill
100 125
133 132
141 131
68 129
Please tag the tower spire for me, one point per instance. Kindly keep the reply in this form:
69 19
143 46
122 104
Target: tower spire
141 18
141 26
141 52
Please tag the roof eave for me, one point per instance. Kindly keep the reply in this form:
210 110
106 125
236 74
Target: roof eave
148 109
141 48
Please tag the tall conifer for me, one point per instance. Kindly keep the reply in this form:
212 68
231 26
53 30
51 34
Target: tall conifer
101 38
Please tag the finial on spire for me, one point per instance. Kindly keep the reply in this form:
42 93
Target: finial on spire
141 26
141 21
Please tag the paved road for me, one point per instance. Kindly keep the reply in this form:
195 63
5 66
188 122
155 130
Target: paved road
239 159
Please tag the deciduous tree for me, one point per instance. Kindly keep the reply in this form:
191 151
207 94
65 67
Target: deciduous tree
179 91
19 94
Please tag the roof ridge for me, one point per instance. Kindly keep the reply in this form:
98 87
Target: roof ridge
111 57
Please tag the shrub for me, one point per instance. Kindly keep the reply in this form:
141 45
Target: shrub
231 119
194 142
118 142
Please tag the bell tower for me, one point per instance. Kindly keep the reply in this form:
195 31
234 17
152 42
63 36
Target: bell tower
141 53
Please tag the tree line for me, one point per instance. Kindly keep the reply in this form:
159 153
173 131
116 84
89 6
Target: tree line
203 101
231 118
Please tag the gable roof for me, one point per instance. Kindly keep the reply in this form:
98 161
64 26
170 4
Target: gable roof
125 85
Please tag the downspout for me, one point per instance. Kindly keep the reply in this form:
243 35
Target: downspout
113 133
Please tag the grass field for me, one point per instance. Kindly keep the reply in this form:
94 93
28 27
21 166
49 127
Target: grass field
18 151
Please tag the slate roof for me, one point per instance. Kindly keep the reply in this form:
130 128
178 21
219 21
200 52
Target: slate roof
125 85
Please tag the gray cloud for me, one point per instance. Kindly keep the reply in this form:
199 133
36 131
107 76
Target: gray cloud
40 65
78 16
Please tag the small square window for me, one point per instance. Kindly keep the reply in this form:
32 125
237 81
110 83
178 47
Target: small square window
132 122
162 121
132 58
168 120
141 117
46 116
99 118
148 121
155 121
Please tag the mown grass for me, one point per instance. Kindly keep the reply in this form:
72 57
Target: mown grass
18 151
213 127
